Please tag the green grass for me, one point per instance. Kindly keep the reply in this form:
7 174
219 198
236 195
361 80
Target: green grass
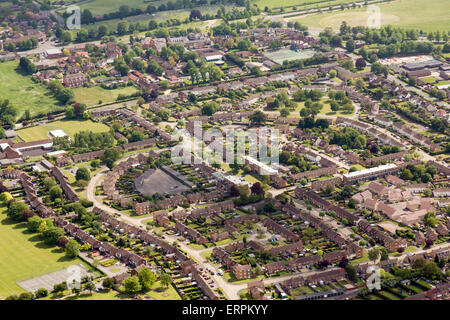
428 79
70 127
160 293
326 110
23 93
157 293
411 14
24 256
91 96
110 295
144 19
301 4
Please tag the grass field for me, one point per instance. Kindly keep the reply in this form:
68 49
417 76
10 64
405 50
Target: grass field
289 55
70 127
157 293
91 96
411 14
23 93
326 110
24 256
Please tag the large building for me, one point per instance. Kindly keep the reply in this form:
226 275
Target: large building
370 173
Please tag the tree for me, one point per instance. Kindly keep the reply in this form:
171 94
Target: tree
108 283
34 223
5 197
27 66
60 287
16 209
83 174
55 192
72 249
65 95
110 156
52 234
258 118
132 285
374 254
299 95
165 279
351 273
352 203
350 45
41 293
122 28
89 286
195 15
210 108
146 278
257 189
27 214
62 242
284 112
360 63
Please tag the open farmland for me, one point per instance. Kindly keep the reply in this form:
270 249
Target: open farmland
404 13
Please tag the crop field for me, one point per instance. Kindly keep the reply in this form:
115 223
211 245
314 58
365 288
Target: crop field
70 127
24 256
23 93
410 14
93 95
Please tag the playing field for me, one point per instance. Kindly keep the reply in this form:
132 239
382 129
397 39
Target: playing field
93 95
23 93
431 15
289 55
24 256
70 127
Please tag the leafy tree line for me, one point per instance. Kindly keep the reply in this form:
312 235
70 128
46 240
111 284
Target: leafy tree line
87 141
23 45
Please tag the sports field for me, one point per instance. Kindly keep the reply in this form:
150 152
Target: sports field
70 127
24 256
431 15
23 93
91 96
289 55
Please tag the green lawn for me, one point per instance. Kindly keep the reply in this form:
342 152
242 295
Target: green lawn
326 110
91 96
70 127
413 14
428 79
157 293
23 93
24 256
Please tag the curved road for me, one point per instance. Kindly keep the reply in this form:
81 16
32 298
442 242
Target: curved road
230 290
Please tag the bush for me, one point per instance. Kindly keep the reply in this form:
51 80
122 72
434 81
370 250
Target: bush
41 293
